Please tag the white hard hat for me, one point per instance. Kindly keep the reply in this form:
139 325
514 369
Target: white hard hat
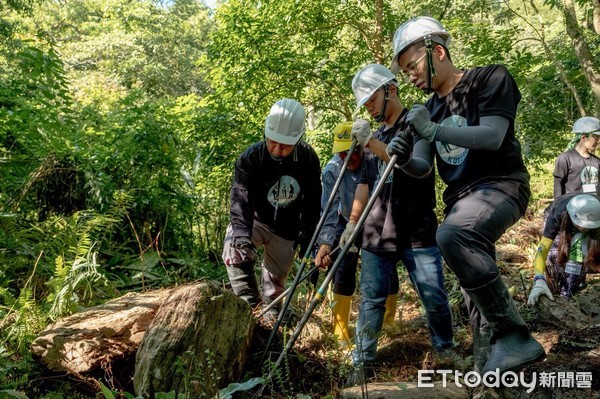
368 80
415 30
285 123
587 124
584 210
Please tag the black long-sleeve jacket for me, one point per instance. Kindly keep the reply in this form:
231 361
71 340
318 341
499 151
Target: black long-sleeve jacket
285 195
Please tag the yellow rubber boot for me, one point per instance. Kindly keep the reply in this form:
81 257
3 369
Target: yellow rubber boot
389 318
341 314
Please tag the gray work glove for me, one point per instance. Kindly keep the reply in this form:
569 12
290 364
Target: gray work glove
243 243
400 146
348 231
361 131
420 119
345 237
540 288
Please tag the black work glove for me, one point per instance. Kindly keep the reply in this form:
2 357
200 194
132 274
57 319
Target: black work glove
401 145
243 243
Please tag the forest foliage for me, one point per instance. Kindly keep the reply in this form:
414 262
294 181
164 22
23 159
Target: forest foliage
120 121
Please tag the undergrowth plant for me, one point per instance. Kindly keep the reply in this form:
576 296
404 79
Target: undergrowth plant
198 375
64 273
225 393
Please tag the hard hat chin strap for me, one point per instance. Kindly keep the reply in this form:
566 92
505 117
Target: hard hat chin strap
294 152
430 67
386 98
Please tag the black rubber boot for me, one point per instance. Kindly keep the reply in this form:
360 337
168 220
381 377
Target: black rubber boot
481 347
513 347
243 283
481 333
271 315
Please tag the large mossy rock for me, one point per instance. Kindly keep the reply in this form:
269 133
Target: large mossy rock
198 341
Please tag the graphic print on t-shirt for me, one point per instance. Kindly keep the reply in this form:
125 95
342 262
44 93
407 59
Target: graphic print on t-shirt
589 179
283 192
450 153
381 166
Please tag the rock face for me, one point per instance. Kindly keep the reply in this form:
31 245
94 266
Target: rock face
193 337
197 342
100 336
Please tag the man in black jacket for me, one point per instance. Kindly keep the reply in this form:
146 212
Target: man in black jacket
275 203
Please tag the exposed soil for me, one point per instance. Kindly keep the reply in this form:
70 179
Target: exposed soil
317 367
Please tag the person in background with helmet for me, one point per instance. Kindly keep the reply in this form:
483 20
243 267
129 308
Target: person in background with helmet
400 227
344 280
576 170
574 219
470 119
275 203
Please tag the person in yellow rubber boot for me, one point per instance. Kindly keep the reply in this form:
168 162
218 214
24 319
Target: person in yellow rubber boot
401 225
575 219
344 280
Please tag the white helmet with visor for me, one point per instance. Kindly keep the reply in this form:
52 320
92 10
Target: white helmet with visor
366 82
584 210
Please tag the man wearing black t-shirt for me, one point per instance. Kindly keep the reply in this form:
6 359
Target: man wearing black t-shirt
401 225
470 119
275 204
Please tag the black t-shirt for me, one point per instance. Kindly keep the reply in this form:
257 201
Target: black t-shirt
483 91
555 215
404 210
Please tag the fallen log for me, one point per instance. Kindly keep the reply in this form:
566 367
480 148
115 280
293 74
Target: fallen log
100 336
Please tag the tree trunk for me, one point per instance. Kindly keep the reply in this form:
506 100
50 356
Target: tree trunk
588 64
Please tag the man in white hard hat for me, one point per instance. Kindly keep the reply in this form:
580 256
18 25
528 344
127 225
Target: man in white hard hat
576 170
470 118
275 203
573 221
401 225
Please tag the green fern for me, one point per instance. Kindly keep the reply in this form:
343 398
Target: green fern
9 393
26 319
60 256
6 297
14 382
82 274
